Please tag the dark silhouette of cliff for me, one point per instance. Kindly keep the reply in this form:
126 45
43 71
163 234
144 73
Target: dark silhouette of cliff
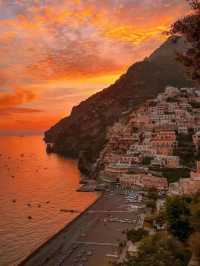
82 134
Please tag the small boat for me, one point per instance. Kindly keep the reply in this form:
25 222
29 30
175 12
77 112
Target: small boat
71 211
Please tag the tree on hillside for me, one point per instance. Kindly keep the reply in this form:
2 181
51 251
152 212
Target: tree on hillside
178 217
136 235
189 28
159 250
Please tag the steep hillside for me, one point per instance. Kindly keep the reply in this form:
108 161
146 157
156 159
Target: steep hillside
82 134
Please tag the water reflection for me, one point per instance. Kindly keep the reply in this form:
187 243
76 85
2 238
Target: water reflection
34 188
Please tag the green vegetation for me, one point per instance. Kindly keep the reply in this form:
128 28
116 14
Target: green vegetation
183 216
178 243
195 105
174 174
188 27
159 250
172 99
153 194
185 149
136 235
178 217
147 160
159 218
151 204
151 200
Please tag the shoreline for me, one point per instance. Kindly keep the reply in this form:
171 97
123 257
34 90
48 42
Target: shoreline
92 238
60 232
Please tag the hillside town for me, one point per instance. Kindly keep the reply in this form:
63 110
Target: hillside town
158 146
149 167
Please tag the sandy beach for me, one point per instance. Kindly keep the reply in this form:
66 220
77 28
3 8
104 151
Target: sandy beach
92 238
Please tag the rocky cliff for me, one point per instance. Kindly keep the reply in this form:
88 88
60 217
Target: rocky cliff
83 134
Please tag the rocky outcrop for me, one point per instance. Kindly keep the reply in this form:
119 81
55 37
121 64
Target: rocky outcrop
83 134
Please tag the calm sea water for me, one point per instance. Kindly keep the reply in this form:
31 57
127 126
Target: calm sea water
34 187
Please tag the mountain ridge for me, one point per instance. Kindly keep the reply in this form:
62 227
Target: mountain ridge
83 134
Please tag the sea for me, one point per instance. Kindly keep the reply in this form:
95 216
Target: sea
34 189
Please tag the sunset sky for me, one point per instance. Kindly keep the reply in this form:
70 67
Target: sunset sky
55 53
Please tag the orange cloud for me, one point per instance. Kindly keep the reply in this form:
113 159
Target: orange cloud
78 44
74 40
19 110
20 96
